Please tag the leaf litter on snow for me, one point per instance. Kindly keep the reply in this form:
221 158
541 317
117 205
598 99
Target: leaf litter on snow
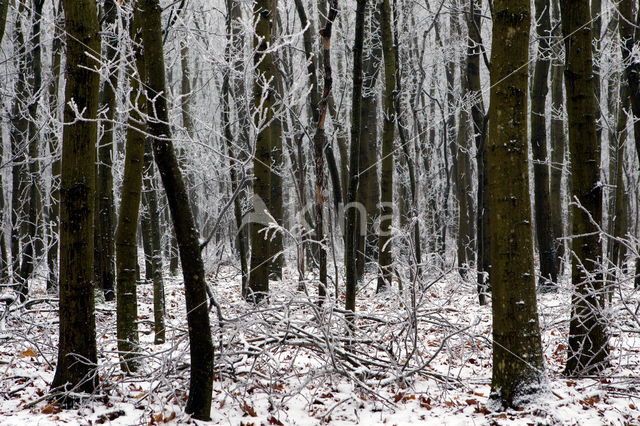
421 357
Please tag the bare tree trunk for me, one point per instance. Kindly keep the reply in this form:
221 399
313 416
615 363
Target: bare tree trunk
385 259
201 346
77 352
150 200
518 366
629 35
588 339
129 213
479 130
53 215
352 230
234 49
558 142
264 97
105 204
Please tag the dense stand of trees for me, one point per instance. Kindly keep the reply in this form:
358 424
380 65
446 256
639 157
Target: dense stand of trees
345 140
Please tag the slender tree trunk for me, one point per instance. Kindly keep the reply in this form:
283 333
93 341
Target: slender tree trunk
518 367
352 230
319 145
54 150
129 212
558 142
145 233
464 190
187 121
77 352
201 346
150 199
19 136
31 189
539 90
629 35
588 341
264 97
233 50
105 204
385 259
369 188
479 130
618 212
4 260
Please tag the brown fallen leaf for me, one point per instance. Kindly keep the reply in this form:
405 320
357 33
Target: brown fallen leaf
29 353
50 409
248 410
274 421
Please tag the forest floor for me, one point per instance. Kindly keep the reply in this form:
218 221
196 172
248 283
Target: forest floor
416 358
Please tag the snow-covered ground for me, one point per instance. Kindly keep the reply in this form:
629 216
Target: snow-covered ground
422 357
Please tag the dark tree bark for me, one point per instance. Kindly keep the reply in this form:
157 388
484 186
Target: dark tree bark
352 230
128 215
20 132
385 259
33 202
618 215
629 35
234 47
4 258
464 188
150 200
539 90
319 149
264 97
588 340
105 207
558 141
77 353
474 50
369 189
53 139
201 346
518 367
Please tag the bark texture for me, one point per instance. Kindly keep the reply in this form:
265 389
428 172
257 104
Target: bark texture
200 341
518 368
588 341
77 354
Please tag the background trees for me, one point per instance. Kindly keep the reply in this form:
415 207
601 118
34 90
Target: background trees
325 138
